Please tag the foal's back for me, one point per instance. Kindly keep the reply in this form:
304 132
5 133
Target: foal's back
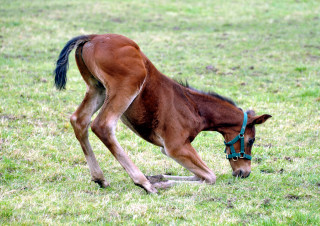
161 110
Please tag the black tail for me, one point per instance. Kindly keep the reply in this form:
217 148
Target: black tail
62 66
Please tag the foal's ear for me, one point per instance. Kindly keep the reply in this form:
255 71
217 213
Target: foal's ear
259 119
251 113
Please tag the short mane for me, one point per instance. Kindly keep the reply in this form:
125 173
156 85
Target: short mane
210 93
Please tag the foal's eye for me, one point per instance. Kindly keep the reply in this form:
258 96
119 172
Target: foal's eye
251 141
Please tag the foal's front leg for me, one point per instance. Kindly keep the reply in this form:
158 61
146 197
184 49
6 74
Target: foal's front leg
158 178
187 156
167 181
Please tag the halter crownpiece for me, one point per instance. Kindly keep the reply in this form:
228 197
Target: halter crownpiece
234 155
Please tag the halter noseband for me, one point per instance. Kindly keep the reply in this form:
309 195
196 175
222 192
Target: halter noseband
234 156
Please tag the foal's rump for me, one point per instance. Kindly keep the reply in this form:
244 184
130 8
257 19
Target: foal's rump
112 58
105 56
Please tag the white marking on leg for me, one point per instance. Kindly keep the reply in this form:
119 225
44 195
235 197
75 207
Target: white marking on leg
181 178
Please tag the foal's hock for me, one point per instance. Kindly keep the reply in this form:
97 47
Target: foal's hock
124 84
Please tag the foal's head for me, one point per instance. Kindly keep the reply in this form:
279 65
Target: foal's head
239 143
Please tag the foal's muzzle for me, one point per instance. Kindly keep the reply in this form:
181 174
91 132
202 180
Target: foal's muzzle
241 173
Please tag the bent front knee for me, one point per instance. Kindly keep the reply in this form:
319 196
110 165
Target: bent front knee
210 179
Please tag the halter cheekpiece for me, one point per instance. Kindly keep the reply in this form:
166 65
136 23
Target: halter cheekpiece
234 155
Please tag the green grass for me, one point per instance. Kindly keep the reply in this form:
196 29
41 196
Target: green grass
263 54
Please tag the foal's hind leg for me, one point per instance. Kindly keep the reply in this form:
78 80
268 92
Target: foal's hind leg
119 99
80 121
81 118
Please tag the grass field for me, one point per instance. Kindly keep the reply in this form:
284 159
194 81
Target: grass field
263 54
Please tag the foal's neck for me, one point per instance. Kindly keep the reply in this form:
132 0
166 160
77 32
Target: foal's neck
218 113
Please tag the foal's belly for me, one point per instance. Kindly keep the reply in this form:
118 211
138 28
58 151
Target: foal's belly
142 116
144 129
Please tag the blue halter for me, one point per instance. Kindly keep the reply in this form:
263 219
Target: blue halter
234 156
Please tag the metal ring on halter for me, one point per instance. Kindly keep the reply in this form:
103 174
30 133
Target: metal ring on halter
236 159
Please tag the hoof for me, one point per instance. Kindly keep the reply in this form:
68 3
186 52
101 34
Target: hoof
156 179
102 184
152 190
160 182
164 184
149 188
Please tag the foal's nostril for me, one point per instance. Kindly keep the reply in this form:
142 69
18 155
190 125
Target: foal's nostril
236 173
240 173
243 174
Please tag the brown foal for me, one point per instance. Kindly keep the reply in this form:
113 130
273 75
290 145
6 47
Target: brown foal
124 83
